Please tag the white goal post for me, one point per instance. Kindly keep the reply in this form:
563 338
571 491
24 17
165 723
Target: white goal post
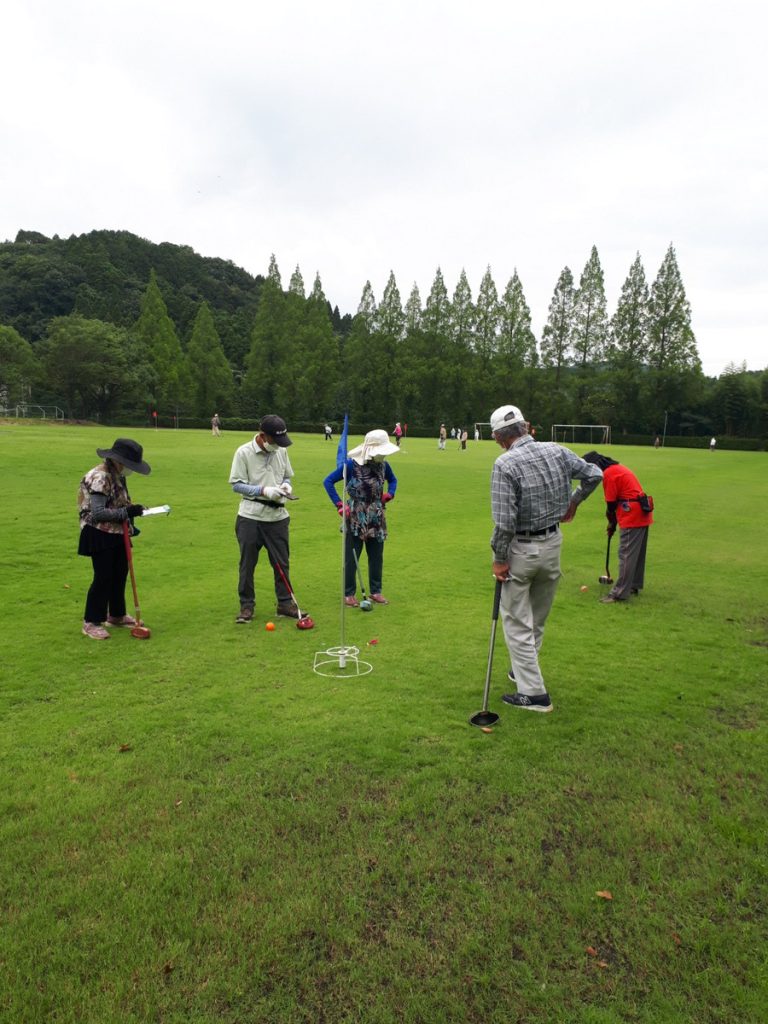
588 433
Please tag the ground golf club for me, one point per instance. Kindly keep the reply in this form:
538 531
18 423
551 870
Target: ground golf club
485 718
607 579
366 605
139 631
303 621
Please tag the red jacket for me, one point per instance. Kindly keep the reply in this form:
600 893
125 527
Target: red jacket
619 485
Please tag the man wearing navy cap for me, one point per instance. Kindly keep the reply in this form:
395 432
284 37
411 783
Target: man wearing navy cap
261 474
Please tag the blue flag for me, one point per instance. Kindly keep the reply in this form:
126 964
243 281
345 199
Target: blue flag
341 454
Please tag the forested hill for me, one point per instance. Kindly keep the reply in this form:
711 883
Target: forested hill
103 275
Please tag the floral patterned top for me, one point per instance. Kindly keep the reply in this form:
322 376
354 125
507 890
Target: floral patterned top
365 487
100 480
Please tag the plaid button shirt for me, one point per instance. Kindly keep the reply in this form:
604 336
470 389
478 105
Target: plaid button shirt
531 489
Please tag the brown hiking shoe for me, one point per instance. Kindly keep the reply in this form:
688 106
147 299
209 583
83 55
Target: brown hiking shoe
289 610
246 615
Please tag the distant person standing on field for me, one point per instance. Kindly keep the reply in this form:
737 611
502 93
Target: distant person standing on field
627 505
712 444
328 431
398 432
216 425
464 437
442 438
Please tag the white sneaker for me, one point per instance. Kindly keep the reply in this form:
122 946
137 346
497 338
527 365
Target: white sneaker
95 631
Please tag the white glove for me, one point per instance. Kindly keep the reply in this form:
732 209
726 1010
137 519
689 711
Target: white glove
272 493
285 489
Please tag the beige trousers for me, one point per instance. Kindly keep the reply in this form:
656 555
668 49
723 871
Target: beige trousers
526 598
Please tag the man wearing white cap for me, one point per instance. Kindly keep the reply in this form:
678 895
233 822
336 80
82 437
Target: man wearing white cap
530 496
370 485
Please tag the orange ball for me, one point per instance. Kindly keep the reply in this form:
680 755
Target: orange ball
269 626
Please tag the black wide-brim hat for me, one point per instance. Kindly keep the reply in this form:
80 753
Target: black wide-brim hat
128 453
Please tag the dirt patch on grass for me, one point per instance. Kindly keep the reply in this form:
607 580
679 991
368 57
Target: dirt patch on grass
737 718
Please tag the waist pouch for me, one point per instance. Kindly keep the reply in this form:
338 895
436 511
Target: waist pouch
645 501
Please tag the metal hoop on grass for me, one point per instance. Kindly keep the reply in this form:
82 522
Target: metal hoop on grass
340 663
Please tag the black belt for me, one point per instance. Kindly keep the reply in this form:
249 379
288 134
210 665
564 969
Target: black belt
538 533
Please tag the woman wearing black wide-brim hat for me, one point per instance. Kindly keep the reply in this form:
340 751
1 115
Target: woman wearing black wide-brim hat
104 505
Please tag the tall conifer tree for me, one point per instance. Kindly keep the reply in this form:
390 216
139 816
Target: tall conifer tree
296 286
590 323
556 336
629 325
672 345
209 372
413 311
157 337
488 315
517 342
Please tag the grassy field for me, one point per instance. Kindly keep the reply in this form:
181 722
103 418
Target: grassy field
198 828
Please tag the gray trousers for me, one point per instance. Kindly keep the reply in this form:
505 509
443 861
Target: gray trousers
252 536
633 544
526 600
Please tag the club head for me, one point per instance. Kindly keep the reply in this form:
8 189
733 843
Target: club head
141 633
366 605
305 622
605 579
484 718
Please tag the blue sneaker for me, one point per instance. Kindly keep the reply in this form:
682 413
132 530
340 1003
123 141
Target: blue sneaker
541 703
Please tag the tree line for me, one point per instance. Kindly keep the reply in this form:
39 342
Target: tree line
108 325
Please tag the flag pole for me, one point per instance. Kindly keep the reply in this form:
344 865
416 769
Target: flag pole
343 650
341 457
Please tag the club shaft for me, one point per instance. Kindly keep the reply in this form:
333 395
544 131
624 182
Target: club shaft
129 556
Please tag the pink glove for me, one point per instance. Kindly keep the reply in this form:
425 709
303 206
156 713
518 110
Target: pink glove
343 509
387 497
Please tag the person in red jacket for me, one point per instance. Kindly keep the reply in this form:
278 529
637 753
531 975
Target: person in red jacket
628 506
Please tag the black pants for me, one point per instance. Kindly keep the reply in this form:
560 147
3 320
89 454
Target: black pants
106 595
252 536
374 549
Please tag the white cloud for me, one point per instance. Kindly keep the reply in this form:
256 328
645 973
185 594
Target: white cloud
355 139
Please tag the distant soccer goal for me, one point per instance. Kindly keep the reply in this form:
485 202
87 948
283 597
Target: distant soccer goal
581 433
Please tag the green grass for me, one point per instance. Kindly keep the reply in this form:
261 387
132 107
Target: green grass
276 846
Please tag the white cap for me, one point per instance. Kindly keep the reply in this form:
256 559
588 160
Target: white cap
505 416
376 443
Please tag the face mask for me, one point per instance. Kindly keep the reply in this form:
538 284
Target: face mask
271 447
379 458
126 471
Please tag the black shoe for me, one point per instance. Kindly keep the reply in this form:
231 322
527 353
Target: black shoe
541 703
289 610
246 615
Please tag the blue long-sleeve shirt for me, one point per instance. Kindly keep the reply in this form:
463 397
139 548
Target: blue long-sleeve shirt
337 476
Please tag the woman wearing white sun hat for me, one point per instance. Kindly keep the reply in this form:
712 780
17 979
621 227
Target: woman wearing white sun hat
370 485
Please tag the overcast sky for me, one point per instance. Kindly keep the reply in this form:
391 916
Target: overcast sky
354 138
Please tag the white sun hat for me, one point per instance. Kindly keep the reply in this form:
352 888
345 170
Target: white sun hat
376 442
505 416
